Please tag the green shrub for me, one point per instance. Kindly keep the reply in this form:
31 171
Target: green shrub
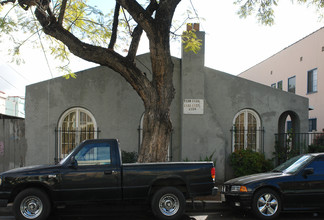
245 162
206 159
209 158
284 153
315 149
129 157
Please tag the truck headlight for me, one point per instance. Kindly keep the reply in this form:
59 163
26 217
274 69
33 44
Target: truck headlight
239 189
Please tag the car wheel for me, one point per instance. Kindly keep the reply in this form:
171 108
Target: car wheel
31 204
168 203
266 204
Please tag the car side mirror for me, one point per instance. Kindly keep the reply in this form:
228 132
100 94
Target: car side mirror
308 171
73 162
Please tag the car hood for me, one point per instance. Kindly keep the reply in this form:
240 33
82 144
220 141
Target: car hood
253 178
30 169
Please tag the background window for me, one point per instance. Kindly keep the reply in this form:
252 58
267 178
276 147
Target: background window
75 126
289 127
292 84
312 124
246 130
279 85
312 81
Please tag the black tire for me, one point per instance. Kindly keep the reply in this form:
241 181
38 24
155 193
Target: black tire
31 204
266 204
168 203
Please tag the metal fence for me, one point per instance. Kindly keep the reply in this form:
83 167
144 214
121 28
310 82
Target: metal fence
291 144
67 139
13 145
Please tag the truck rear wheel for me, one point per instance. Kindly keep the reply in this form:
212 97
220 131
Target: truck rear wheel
31 204
168 203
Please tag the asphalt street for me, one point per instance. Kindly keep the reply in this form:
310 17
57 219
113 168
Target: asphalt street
211 211
224 215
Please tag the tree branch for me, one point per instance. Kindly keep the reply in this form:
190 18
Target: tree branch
5 2
135 43
114 28
62 12
166 11
127 22
138 33
141 16
104 57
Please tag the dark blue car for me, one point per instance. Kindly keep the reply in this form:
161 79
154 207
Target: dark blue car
296 185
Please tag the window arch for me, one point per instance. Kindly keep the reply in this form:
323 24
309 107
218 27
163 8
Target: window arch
246 130
75 126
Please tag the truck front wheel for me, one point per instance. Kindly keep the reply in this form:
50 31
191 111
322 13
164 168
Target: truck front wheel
31 204
168 203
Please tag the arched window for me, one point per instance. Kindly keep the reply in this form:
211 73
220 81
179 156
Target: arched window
75 126
246 130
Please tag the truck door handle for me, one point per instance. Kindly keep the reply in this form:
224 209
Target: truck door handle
110 172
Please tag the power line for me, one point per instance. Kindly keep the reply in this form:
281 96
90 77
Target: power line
48 91
21 75
9 83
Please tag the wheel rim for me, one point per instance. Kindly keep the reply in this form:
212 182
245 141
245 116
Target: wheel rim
31 207
267 204
169 204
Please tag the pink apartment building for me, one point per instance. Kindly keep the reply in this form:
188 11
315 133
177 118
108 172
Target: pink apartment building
298 69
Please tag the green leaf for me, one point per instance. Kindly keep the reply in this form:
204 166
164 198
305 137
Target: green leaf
263 9
191 41
68 72
69 75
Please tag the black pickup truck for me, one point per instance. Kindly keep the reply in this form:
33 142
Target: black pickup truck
93 172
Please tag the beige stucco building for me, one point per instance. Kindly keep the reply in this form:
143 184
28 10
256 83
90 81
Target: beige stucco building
298 69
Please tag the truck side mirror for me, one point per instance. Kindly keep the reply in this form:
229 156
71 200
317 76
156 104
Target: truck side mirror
73 162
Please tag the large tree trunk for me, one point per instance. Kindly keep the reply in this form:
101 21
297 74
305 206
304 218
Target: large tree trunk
157 130
157 126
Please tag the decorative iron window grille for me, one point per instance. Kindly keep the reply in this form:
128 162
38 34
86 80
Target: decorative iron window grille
250 138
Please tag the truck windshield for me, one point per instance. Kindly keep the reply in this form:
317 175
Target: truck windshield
294 164
63 161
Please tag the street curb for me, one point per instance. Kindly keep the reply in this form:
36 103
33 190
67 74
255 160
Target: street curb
206 206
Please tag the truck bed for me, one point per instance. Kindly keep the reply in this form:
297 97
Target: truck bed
193 176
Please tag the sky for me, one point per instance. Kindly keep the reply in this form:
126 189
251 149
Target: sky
233 45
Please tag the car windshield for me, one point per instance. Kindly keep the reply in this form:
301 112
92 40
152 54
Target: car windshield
293 165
